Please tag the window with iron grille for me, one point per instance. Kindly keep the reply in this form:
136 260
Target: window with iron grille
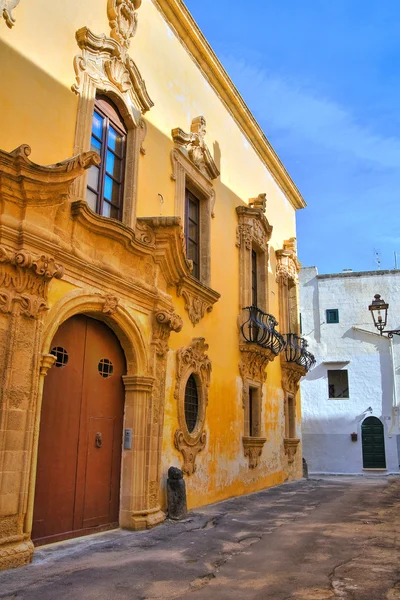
104 192
192 231
191 404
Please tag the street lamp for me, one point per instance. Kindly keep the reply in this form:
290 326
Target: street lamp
379 309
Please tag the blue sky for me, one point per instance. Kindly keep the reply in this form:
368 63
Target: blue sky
322 79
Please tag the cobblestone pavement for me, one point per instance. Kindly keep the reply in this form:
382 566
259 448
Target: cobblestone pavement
307 540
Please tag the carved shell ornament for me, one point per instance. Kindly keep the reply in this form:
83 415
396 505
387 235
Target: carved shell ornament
6 6
123 19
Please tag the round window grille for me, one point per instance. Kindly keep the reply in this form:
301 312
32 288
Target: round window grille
191 404
105 368
61 356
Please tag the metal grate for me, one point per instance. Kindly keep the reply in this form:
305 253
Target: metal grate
61 356
105 368
191 404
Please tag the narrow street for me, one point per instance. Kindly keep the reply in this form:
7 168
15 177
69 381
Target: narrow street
308 540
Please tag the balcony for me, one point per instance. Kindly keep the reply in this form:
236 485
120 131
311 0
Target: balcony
296 351
259 328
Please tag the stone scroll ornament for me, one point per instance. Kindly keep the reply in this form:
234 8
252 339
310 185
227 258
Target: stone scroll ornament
6 8
123 20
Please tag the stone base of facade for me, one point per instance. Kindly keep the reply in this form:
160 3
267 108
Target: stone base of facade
140 520
15 554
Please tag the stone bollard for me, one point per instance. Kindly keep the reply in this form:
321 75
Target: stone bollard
176 493
305 469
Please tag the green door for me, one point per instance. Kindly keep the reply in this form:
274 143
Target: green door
373 444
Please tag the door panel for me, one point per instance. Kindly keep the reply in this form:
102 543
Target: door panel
77 484
373 444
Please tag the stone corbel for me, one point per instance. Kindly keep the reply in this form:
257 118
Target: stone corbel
253 361
291 375
253 449
6 8
290 445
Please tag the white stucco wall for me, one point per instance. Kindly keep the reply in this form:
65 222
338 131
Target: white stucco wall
328 422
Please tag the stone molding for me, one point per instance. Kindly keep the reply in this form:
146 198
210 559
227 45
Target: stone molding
192 360
193 145
105 62
164 322
47 362
24 279
253 447
288 265
123 19
25 182
290 445
6 8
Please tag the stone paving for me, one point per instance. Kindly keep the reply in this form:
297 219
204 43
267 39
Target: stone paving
308 540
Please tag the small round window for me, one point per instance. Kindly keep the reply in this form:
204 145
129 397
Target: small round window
61 356
191 404
105 368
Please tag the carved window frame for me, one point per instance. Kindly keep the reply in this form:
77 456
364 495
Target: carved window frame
188 177
290 416
256 387
105 68
287 278
253 234
192 360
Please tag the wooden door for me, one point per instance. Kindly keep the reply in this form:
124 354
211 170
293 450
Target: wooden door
79 456
373 444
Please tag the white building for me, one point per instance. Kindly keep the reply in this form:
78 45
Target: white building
350 399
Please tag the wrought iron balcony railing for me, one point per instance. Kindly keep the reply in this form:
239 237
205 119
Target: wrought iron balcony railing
259 328
296 351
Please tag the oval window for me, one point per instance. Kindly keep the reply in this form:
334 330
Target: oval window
191 404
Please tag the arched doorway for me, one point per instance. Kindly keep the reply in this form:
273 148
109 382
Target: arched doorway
373 444
80 440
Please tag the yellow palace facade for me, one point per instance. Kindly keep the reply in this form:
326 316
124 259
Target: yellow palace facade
147 255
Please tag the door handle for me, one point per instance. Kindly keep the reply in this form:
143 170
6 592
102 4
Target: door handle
99 439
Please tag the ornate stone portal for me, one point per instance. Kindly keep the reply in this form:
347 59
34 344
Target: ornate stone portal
192 360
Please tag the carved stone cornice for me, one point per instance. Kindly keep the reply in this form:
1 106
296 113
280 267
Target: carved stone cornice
192 360
199 298
105 61
291 375
253 449
6 8
194 146
253 225
253 361
24 279
123 19
290 445
164 322
287 263
23 181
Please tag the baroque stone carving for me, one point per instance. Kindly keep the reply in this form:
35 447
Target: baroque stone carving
105 64
253 225
192 360
24 279
253 362
199 299
194 145
291 375
288 265
110 304
290 445
253 449
123 19
6 8
164 322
